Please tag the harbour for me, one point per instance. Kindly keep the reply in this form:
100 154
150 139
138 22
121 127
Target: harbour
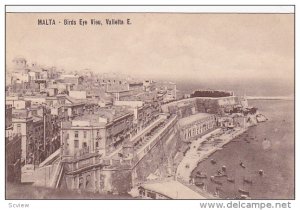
147 106
278 178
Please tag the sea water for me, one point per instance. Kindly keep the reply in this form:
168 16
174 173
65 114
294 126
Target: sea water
269 146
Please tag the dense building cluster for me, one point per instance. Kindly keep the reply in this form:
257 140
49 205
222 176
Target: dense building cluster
88 131
77 112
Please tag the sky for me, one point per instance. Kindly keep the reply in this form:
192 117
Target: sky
186 47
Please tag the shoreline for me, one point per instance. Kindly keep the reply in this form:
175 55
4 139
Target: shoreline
270 98
193 157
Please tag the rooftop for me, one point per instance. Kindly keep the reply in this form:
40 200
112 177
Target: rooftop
21 114
69 75
74 101
173 189
93 120
93 117
112 113
193 118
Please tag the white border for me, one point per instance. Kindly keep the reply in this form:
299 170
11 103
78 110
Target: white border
171 9
121 204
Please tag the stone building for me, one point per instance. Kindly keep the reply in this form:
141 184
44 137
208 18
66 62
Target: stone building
102 132
13 158
196 125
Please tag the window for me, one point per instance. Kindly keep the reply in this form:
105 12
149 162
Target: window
189 133
76 134
84 134
76 143
97 144
84 145
98 133
18 128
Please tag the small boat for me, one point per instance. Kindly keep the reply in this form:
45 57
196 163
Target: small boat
219 172
201 176
217 182
261 172
247 181
261 118
244 192
212 178
242 165
244 197
213 161
230 180
221 175
199 184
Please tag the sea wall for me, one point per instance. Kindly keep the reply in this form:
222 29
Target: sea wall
159 160
120 176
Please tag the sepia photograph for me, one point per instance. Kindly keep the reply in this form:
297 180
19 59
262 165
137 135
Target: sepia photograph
155 104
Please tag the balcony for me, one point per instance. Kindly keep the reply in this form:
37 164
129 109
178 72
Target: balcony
82 152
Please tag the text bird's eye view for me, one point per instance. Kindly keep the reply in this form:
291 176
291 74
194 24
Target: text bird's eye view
149 105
